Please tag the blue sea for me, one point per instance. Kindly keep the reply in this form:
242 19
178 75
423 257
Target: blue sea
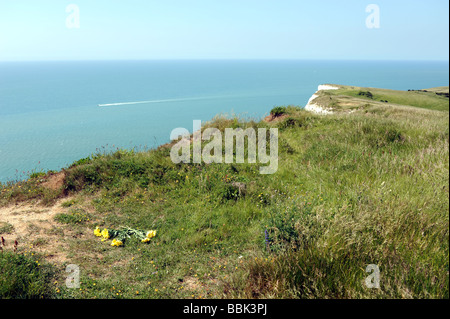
50 114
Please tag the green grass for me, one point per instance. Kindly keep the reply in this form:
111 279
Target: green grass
28 190
74 216
351 190
6 228
439 89
427 100
25 277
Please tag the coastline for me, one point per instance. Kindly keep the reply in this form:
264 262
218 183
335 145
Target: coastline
224 213
315 108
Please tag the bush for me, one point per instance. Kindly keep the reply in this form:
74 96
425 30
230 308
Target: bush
289 122
366 93
81 176
82 161
278 110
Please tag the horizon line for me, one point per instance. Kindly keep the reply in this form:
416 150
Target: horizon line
225 59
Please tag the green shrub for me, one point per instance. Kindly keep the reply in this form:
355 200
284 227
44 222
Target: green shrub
278 110
82 161
289 122
366 93
37 174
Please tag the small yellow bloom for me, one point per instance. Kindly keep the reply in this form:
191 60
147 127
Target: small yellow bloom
97 232
146 240
151 234
116 243
105 233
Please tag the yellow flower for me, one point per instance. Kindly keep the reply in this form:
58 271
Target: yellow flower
116 243
105 233
151 234
146 240
97 232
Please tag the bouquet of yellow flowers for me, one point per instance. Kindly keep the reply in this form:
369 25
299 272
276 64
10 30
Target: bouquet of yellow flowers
119 236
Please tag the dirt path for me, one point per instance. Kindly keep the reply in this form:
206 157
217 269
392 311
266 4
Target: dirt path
34 227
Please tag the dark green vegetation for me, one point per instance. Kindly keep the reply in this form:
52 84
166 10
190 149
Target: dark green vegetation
24 277
370 187
278 110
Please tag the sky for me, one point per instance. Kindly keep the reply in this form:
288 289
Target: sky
33 30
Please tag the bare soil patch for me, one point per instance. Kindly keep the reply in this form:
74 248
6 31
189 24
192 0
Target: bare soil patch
55 181
272 118
33 227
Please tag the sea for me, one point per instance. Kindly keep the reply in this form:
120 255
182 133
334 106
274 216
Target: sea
53 113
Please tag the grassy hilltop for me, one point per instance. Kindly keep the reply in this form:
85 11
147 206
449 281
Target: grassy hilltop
367 184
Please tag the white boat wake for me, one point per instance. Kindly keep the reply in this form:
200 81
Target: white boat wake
157 101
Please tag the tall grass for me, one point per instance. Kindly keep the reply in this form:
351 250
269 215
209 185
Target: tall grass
24 277
351 190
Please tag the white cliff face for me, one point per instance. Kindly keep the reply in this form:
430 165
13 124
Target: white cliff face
326 87
310 106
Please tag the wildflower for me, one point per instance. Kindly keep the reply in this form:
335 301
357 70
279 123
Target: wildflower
97 232
105 233
146 240
116 243
151 234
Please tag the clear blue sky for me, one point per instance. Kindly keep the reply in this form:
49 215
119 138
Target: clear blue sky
223 29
